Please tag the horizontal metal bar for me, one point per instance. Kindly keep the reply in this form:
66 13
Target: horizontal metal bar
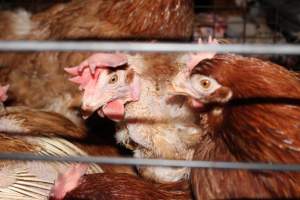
147 47
151 162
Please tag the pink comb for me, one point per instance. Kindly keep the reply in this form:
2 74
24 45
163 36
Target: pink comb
103 60
195 58
68 180
85 77
89 69
3 91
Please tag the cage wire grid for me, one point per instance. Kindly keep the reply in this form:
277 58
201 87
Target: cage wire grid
243 11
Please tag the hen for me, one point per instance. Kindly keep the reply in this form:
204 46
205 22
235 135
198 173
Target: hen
250 112
102 19
73 185
37 79
45 133
25 130
135 94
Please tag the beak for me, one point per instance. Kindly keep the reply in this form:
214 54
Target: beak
181 85
87 110
182 89
86 113
177 89
113 110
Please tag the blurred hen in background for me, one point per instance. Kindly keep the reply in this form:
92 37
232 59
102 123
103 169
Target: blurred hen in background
38 80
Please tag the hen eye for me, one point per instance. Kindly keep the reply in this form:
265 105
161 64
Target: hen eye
113 79
205 83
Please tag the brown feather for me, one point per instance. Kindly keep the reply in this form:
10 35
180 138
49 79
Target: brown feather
259 124
124 186
37 80
41 123
31 131
113 19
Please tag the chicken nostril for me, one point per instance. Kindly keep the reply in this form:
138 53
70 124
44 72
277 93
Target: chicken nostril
86 108
86 113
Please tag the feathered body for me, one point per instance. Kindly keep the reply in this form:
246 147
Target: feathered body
158 125
125 186
260 123
134 91
25 130
37 79
91 19
28 180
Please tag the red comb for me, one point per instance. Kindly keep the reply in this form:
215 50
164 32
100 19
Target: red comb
90 68
72 70
82 78
103 60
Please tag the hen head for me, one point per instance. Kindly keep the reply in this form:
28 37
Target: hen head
110 92
200 88
107 85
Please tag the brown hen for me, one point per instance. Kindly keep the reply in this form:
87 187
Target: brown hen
250 112
104 19
37 79
150 122
73 185
25 130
